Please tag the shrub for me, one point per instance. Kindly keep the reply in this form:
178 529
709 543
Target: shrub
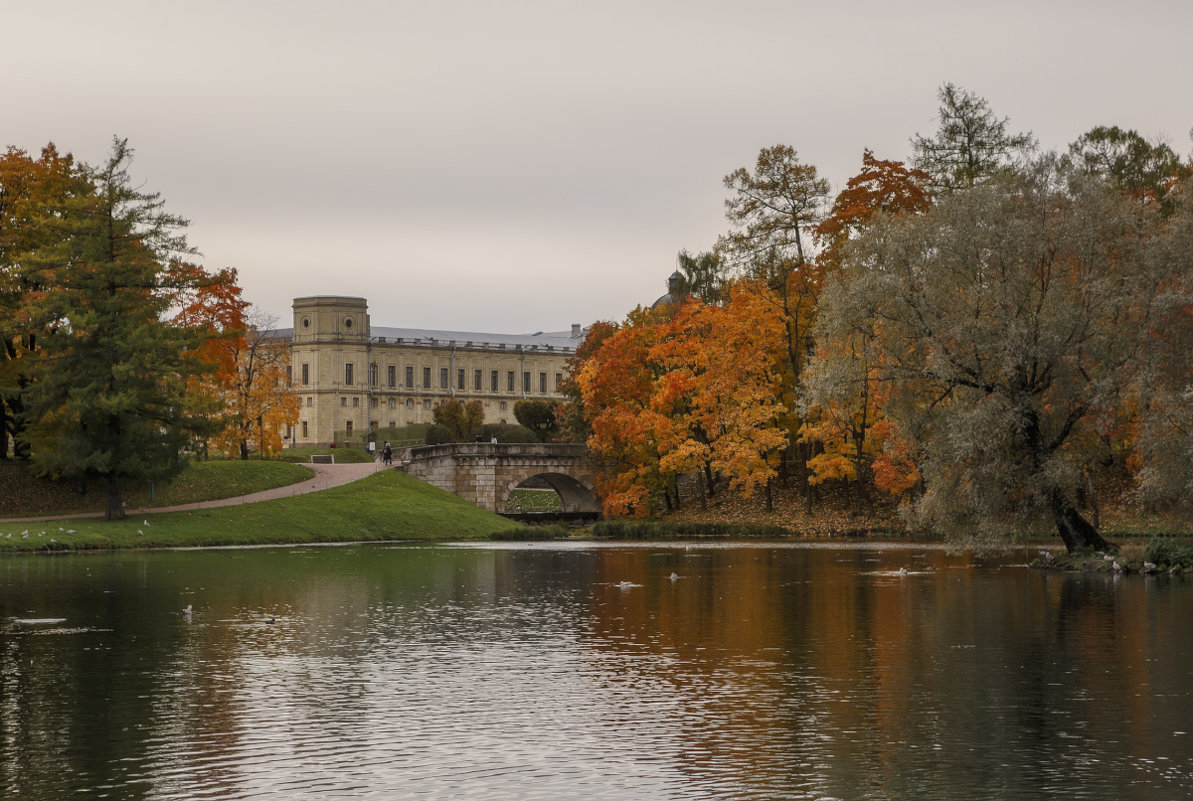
1165 553
438 435
526 533
655 530
505 433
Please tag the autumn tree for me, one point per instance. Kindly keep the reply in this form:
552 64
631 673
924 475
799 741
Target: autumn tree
617 383
461 418
1010 314
1146 170
971 146
842 397
105 401
721 370
32 191
257 400
1161 390
881 187
773 210
570 413
212 303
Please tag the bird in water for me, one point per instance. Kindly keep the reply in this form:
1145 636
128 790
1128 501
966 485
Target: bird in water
186 613
673 577
271 621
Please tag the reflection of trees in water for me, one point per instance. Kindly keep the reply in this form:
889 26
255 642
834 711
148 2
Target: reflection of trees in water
844 676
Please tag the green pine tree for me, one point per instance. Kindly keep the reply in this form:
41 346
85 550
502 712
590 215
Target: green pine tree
107 403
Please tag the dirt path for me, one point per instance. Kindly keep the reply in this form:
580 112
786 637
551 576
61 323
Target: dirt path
326 476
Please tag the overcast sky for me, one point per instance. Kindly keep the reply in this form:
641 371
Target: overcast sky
519 166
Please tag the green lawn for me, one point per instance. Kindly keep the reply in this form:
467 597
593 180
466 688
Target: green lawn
533 500
340 455
24 495
384 506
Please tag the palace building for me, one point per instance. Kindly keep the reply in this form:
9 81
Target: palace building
352 377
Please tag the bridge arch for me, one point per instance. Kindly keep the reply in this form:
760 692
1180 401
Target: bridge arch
574 494
484 473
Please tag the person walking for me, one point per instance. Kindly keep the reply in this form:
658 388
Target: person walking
387 455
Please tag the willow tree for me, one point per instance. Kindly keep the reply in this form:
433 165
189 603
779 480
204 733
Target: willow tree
106 398
1007 320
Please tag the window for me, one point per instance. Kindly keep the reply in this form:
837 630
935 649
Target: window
443 378
304 429
373 403
558 381
460 379
509 381
289 375
310 401
493 381
356 401
373 375
343 401
525 382
392 403
391 373
543 383
426 378
478 379
348 374
348 428
426 404
410 403
306 374
409 377
503 406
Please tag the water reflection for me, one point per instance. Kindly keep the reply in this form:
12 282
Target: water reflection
588 672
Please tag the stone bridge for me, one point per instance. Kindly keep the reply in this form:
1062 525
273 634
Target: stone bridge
484 473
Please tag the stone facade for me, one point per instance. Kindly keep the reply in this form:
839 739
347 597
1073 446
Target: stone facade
352 377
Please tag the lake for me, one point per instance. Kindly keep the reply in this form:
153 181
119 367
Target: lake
590 671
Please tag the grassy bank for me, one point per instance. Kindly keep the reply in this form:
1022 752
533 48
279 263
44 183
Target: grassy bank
24 495
339 455
384 506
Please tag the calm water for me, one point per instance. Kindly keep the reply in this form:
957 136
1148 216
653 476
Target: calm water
584 672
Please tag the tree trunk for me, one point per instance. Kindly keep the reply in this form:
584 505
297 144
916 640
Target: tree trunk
115 506
244 450
770 501
1074 529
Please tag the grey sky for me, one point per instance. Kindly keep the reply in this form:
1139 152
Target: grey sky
519 166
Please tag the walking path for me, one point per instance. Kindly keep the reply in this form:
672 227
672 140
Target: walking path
326 476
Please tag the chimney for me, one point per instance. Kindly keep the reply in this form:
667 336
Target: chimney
576 330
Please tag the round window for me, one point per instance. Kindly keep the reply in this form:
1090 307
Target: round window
348 323
306 322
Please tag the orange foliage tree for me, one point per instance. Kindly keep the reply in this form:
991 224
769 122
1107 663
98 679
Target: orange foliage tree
721 384
687 390
843 396
247 392
616 384
32 190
